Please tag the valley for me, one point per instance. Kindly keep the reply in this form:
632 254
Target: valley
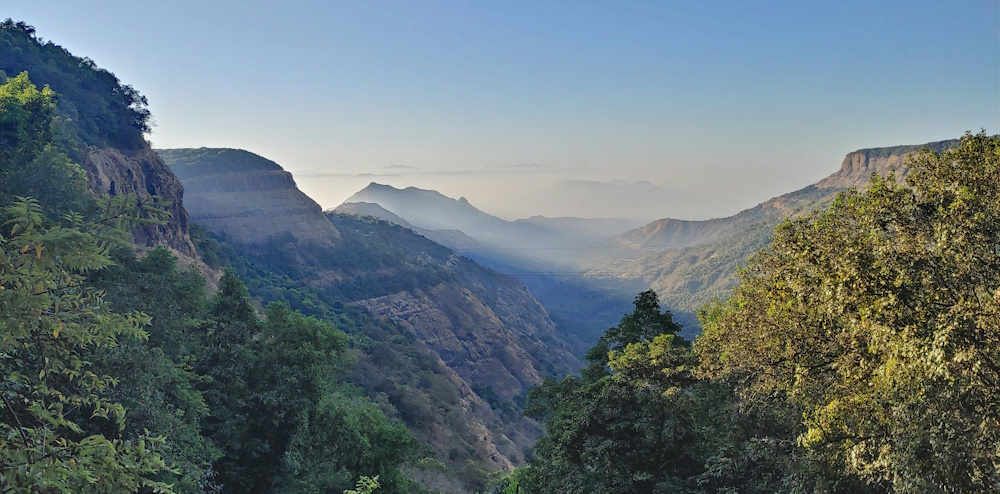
184 318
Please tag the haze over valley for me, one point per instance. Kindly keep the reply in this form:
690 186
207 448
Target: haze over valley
511 248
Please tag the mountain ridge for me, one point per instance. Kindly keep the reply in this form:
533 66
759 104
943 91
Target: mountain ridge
854 171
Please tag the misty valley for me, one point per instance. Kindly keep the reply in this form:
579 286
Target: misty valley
187 320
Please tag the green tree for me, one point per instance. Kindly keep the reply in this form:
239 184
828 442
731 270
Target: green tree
228 360
156 379
31 165
49 319
632 423
878 322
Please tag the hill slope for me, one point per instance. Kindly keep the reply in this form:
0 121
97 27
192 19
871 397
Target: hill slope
246 198
854 171
488 338
690 262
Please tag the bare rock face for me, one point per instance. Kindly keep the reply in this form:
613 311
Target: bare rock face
246 198
860 165
143 173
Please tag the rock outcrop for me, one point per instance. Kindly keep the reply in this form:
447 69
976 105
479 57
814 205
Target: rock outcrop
689 262
855 171
141 172
245 198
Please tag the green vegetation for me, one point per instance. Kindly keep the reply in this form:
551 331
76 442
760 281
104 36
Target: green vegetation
188 163
121 375
94 108
859 353
406 381
59 429
876 322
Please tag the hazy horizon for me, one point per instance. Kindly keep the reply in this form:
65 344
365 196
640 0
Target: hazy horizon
727 103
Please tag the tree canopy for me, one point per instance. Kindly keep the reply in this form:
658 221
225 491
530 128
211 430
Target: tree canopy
878 321
859 353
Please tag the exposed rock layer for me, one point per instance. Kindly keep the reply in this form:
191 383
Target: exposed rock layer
143 173
249 204
855 171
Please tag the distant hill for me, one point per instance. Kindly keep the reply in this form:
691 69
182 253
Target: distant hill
641 201
431 210
690 262
491 338
246 198
854 171
453 239
564 242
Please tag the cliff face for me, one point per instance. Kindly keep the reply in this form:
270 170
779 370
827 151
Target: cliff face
689 262
494 341
855 171
141 172
858 166
245 200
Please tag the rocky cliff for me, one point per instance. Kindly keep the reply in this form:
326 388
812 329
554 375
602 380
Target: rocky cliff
491 338
858 166
246 198
855 171
689 262
141 172
488 328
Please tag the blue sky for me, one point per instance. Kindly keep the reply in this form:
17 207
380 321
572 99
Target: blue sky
732 102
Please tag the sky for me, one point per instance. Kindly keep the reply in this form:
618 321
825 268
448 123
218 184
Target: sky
727 102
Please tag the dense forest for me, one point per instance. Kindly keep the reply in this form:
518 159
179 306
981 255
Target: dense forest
860 351
121 374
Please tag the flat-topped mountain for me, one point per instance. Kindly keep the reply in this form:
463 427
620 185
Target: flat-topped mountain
492 338
854 171
690 262
246 198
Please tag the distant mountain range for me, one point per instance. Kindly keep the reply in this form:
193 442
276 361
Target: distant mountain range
687 262
690 262
564 242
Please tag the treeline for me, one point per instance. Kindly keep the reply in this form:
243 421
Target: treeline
859 353
95 108
121 374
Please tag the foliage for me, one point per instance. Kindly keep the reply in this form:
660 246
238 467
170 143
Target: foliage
876 322
30 163
407 382
95 107
50 318
156 381
276 411
365 485
631 422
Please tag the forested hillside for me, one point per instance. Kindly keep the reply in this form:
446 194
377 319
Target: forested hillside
488 338
268 347
859 353
135 378
121 373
